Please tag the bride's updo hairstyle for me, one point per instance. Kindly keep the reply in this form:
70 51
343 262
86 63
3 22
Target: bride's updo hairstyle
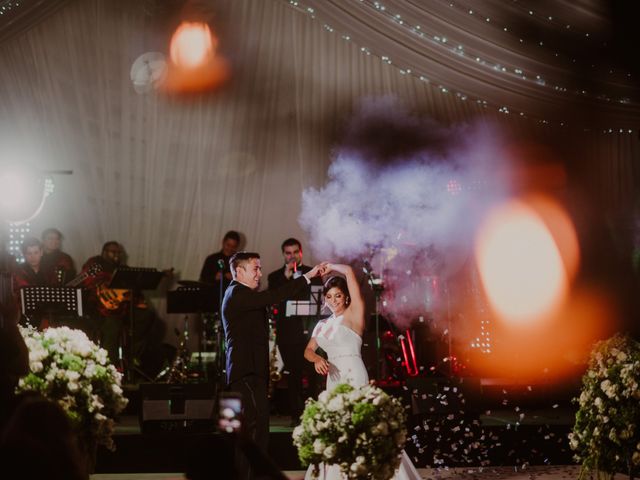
339 283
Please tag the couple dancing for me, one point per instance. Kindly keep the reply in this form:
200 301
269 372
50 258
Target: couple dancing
340 336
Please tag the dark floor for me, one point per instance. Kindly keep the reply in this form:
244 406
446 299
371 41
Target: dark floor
453 423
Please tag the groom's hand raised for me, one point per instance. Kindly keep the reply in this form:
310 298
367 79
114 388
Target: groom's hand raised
315 271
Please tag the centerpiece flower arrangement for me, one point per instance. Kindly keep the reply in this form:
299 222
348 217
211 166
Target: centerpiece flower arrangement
69 369
606 435
360 429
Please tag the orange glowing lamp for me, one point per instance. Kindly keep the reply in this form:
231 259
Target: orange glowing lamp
194 63
192 45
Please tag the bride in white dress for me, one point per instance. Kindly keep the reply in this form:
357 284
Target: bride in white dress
340 336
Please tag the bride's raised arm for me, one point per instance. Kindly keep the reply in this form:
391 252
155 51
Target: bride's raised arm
357 303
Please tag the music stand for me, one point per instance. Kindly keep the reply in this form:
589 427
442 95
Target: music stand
134 279
305 308
51 300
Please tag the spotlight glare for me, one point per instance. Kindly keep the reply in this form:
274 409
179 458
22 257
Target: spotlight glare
520 264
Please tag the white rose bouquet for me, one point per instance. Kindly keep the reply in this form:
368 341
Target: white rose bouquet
606 435
69 369
360 429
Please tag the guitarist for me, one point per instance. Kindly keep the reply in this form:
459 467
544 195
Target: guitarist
109 311
107 323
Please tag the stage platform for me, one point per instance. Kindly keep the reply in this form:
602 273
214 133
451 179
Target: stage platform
452 423
556 472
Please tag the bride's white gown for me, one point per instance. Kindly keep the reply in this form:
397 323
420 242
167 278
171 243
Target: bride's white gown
343 349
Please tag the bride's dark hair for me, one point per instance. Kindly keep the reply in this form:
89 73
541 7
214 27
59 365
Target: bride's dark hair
339 283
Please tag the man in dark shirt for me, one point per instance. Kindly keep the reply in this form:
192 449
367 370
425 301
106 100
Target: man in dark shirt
32 274
216 269
290 330
54 259
106 308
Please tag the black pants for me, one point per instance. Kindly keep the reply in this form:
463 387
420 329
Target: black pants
293 358
255 403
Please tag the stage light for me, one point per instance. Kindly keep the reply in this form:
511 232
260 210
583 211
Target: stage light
454 187
192 45
526 253
23 192
194 64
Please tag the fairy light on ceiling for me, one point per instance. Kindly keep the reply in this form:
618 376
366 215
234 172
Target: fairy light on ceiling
561 26
458 49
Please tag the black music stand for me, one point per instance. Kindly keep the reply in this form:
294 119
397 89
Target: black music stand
134 279
305 308
51 300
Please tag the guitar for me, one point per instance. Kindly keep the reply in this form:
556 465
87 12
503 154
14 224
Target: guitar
112 298
91 272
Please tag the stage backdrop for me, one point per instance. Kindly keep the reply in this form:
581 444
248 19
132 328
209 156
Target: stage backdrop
167 175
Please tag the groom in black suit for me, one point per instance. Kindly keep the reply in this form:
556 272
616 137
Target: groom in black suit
247 336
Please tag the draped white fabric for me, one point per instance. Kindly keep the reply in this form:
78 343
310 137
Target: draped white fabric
167 176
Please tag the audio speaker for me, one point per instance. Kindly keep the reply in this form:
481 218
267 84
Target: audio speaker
188 407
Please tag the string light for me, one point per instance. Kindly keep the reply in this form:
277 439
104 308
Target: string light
7 6
17 234
443 40
435 39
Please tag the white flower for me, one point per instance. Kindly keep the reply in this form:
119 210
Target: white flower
323 396
297 432
335 404
318 446
329 452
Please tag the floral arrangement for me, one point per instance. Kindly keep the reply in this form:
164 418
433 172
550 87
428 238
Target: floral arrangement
360 429
605 436
69 369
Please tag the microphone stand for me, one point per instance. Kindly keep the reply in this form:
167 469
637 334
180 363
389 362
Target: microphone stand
378 288
218 327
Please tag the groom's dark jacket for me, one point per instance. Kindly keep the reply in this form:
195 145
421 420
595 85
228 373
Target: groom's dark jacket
246 329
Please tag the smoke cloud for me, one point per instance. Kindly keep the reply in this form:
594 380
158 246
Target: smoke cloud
406 194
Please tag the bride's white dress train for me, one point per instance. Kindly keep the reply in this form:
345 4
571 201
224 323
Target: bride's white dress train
346 366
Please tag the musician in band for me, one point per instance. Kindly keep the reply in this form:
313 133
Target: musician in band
216 267
54 259
290 330
31 273
107 323
110 310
